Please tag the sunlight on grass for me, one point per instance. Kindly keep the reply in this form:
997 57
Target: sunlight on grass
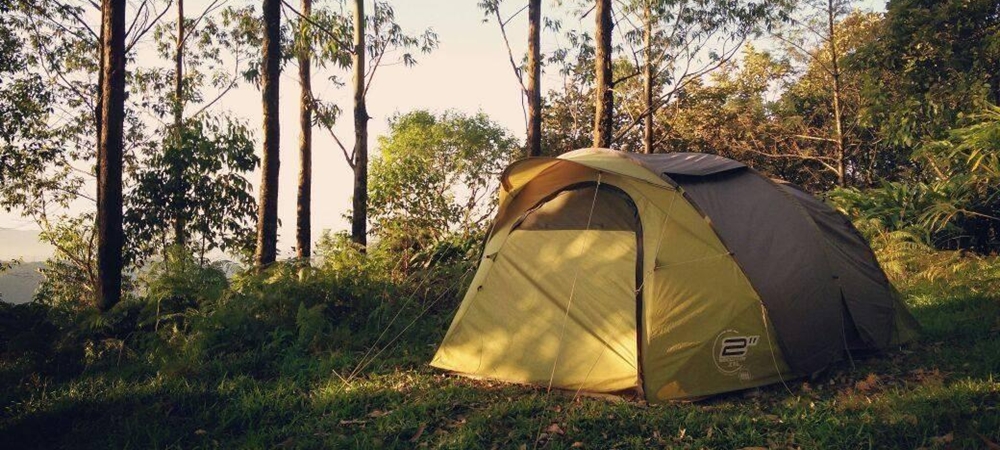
269 391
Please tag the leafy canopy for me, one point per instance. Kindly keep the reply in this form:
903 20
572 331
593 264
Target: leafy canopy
436 174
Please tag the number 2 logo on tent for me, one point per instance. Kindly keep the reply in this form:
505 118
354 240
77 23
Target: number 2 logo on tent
731 349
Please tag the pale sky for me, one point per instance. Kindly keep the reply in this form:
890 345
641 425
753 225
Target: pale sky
469 72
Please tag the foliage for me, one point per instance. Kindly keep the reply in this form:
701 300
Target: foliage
806 108
70 275
292 358
25 100
734 114
773 109
58 148
386 42
568 114
689 40
177 285
241 31
334 354
932 61
966 170
212 195
436 175
958 207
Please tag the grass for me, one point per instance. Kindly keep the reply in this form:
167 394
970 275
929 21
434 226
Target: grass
938 393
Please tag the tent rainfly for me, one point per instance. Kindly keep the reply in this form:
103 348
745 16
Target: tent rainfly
678 275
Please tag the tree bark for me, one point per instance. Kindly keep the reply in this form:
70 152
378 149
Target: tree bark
647 85
267 213
177 170
110 237
303 225
99 112
534 78
838 128
604 87
359 219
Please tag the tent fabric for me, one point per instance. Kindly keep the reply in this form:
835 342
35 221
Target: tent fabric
542 316
583 206
784 259
864 286
688 272
522 171
689 164
687 279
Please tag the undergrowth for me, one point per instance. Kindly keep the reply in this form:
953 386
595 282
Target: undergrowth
334 355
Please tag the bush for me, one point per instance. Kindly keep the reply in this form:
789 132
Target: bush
911 263
184 317
957 206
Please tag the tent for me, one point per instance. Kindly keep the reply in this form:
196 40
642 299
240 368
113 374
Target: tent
678 275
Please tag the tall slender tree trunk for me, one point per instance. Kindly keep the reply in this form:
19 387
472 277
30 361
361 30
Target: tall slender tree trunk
838 127
604 88
647 85
303 226
177 169
99 112
110 238
534 87
267 212
359 219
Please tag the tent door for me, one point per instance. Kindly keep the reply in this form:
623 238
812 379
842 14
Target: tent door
565 282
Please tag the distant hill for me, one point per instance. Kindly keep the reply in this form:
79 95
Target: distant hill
18 284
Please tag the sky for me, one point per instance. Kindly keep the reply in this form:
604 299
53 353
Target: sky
469 72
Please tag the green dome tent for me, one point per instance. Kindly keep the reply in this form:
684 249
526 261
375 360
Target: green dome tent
679 275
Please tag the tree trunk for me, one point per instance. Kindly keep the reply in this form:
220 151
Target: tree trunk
110 238
303 229
647 85
604 93
838 129
99 111
359 219
177 170
534 78
267 213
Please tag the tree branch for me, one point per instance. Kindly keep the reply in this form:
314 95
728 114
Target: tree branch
211 7
343 45
149 26
513 65
348 157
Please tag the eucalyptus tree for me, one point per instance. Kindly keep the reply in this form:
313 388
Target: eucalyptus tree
55 78
531 89
58 134
362 41
359 212
110 155
604 94
534 86
672 43
189 188
267 212
303 198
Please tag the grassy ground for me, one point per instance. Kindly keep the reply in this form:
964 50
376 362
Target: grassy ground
938 393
